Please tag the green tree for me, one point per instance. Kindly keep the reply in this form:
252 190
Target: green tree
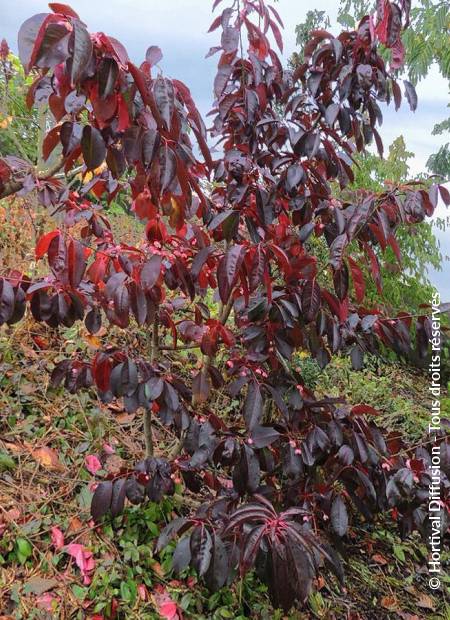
408 287
20 126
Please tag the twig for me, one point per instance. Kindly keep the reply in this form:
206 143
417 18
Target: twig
12 187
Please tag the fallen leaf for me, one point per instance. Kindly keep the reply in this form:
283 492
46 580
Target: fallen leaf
57 538
47 602
93 341
47 457
38 585
425 601
390 603
165 606
12 515
320 582
157 568
75 525
114 464
108 449
125 418
83 559
379 559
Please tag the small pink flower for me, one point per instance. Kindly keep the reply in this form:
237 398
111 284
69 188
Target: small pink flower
57 538
92 464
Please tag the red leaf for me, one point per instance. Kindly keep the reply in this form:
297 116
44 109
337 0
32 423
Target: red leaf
445 195
392 241
277 35
50 142
57 538
153 55
123 113
83 559
228 270
358 279
44 242
92 464
364 409
82 50
375 268
63 9
310 300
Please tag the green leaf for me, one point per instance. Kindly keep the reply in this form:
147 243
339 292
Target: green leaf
6 461
125 592
79 592
24 549
399 553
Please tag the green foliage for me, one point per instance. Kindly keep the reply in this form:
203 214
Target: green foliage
399 393
439 163
409 287
315 20
19 134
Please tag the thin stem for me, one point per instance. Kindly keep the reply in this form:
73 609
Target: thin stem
182 347
154 350
155 340
148 435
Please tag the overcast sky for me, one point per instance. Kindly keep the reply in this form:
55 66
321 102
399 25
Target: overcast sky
180 28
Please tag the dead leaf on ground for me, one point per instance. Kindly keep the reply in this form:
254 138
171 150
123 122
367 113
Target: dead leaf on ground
47 457
125 418
425 601
75 525
390 603
114 464
92 341
39 585
380 559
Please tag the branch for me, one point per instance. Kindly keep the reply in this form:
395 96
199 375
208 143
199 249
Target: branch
12 187
182 347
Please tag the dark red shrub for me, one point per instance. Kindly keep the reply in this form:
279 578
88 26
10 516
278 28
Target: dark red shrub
283 478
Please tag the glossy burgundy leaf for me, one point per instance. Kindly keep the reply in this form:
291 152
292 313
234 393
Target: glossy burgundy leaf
150 272
201 387
339 516
201 549
253 406
310 300
165 99
411 95
228 270
93 147
82 50
358 279
101 500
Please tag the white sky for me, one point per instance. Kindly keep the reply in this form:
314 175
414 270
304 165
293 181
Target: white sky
180 28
